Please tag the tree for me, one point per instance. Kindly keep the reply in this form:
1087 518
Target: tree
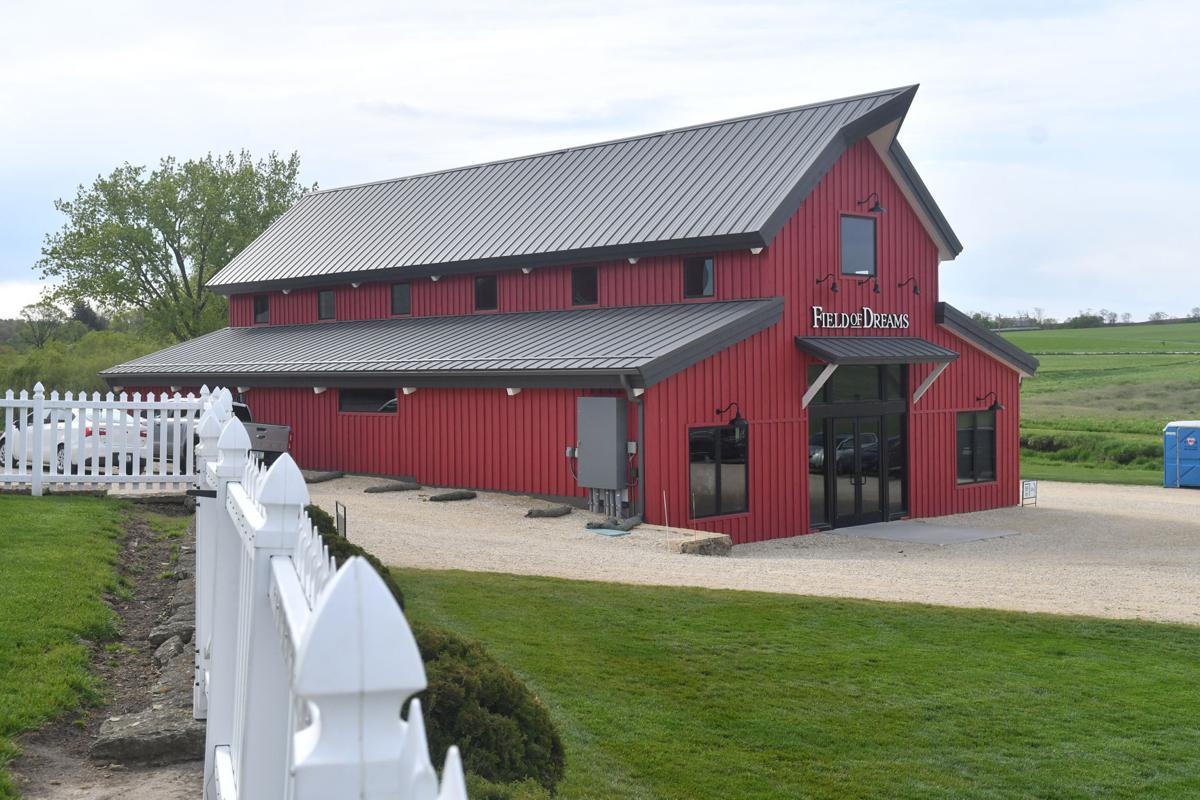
148 242
1127 317
42 320
1195 314
1158 316
1039 315
87 316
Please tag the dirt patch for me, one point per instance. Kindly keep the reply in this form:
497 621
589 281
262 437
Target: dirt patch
54 761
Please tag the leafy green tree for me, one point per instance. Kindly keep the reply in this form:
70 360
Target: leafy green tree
42 320
149 241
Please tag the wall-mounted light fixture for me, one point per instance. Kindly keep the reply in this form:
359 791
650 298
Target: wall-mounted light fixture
435 278
632 260
526 270
833 287
355 285
876 208
738 422
868 279
513 391
409 390
755 250
996 404
286 291
910 279
317 389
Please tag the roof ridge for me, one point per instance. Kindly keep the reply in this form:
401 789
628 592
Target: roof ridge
544 154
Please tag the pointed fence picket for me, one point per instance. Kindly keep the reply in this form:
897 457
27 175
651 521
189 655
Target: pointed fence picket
302 667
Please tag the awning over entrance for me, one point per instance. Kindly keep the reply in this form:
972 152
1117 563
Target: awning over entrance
838 351
875 350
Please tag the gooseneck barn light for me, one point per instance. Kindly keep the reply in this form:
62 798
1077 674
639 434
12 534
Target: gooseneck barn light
910 279
870 278
996 404
833 287
874 209
738 422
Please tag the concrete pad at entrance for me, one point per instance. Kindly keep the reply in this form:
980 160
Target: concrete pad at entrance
917 531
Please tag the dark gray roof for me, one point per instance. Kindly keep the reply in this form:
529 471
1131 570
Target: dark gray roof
582 348
874 349
723 185
986 340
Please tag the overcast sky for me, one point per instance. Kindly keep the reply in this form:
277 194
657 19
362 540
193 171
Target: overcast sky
1053 135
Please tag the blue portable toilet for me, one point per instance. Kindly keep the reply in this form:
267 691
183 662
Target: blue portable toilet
1181 454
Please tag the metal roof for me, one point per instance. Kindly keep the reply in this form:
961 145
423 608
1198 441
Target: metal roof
579 348
722 185
986 340
875 349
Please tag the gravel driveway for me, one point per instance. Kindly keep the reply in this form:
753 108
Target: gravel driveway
1109 551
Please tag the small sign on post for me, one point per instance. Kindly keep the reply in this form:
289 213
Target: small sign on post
339 518
1029 493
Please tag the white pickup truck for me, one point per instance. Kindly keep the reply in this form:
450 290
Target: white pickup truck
103 432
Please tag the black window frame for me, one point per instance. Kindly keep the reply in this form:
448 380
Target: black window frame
593 278
976 473
718 461
874 271
262 317
322 295
709 265
495 292
379 400
407 299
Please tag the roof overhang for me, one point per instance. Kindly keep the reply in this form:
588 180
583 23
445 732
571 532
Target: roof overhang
856 350
990 342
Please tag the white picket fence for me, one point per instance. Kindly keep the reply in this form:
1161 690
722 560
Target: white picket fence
302 669
77 441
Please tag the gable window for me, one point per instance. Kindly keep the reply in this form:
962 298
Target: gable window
858 245
401 298
485 293
585 289
717 470
367 401
262 309
326 308
698 277
976 446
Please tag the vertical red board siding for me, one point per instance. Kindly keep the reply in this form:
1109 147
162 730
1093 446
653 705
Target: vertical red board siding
482 438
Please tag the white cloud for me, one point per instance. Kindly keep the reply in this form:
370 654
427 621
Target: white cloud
14 295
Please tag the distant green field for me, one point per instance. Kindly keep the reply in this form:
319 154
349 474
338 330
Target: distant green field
1096 409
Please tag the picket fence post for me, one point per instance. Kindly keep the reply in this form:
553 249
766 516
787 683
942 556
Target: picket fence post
213 416
35 428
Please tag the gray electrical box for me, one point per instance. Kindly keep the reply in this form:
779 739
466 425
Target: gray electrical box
603 436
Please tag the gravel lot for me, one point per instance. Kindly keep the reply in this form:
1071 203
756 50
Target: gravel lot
1109 551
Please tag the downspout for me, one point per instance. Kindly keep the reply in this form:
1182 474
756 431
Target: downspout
639 508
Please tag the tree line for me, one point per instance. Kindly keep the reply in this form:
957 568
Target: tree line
1087 318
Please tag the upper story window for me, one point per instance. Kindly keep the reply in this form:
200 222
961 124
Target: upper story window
858 245
262 309
367 401
698 277
486 296
326 305
585 287
401 298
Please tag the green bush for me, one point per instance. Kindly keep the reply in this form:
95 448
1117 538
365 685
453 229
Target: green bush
508 742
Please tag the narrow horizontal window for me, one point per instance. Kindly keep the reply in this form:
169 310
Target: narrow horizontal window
485 293
401 298
858 245
262 309
326 308
585 290
367 401
698 277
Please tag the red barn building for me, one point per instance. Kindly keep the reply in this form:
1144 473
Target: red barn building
732 327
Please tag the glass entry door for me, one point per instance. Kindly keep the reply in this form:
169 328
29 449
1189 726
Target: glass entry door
858 496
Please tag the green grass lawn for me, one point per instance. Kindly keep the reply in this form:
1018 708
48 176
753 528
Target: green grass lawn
1108 399
688 693
56 562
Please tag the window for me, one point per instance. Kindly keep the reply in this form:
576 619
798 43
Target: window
325 304
976 444
697 277
262 309
401 298
367 401
485 293
858 245
717 468
585 290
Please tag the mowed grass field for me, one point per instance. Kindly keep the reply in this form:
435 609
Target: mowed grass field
684 694
1096 409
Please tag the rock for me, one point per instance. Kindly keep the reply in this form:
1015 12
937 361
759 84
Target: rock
392 486
614 524
717 544
156 735
318 476
168 650
182 624
185 593
457 494
552 511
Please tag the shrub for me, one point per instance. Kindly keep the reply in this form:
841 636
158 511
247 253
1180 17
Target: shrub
342 548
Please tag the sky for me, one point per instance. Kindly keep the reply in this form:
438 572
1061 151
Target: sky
1054 136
